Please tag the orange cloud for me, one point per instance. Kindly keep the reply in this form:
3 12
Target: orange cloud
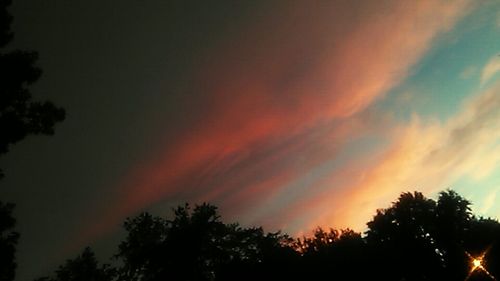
490 69
301 71
427 157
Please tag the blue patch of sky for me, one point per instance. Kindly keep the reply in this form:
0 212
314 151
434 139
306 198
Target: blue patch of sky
439 82
477 192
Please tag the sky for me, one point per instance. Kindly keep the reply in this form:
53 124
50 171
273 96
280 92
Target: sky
284 114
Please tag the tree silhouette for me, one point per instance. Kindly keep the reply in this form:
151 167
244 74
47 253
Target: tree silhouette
453 221
340 253
141 247
20 116
194 245
420 239
403 236
84 267
8 242
416 238
273 257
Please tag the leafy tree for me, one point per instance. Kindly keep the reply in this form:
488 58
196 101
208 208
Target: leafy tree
420 239
84 267
416 238
339 253
194 245
453 215
403 237
273 257
8 242
453 221
5 20
141 248
189 246
20 116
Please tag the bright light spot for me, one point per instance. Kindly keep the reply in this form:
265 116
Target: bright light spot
477 264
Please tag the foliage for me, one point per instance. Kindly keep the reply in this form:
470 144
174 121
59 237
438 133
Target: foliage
192 246
85 267
8 242
416 238
20 116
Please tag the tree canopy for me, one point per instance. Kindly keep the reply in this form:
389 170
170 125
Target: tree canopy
194 245
20 116
416 238
8 242
84 267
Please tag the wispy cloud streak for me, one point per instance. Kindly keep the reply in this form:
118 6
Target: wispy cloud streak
283 100
428 157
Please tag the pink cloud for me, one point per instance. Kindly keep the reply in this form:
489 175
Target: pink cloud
279 99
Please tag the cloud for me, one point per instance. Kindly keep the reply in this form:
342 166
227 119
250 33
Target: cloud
281 100
490 69
428 157
489 202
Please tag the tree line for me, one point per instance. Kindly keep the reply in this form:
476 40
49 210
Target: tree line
416 238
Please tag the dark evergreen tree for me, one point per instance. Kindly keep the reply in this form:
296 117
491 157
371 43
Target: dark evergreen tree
8 242
20 116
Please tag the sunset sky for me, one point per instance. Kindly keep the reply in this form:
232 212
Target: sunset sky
285 114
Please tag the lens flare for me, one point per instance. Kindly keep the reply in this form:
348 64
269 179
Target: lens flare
477 264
